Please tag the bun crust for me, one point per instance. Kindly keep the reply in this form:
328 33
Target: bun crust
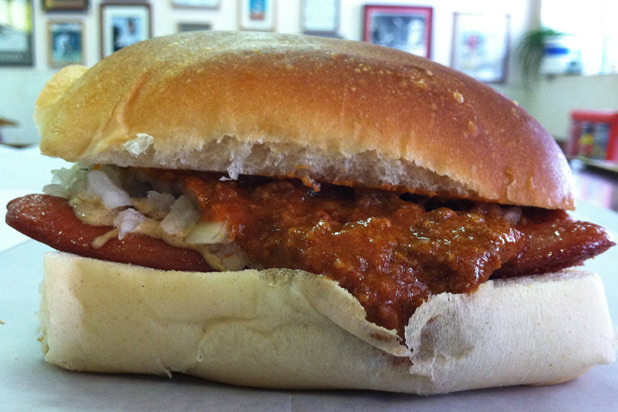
287 105
310 333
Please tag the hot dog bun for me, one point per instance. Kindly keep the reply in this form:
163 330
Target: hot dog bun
290 329
284 105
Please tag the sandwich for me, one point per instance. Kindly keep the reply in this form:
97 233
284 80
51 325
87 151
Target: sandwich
285 211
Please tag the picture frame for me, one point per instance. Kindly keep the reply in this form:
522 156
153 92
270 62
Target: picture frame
257 15
196 4
64 5
407 28
66 42
16 33
185 27
320 17
481 46
123 24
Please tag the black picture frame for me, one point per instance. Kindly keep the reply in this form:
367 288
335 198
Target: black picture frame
402 27
16 37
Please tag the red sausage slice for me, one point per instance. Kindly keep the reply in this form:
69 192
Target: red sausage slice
50 220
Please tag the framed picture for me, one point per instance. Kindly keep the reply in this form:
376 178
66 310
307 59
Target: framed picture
182 27
481 46
123 24
320 17
66 40
406 28
197 4
65 5
257 14
16 24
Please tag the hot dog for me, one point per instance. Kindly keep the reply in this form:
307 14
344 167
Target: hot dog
51 220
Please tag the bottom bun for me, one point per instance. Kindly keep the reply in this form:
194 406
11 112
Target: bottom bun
290 329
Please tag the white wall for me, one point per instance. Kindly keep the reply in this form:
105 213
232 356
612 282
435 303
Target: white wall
19 87
552 100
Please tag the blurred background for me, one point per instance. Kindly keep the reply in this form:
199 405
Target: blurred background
557 58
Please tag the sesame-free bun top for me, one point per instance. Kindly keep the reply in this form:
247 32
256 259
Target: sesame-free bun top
289 105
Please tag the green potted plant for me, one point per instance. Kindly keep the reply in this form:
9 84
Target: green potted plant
531 50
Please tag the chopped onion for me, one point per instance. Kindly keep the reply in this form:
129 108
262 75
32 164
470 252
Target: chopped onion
161 202
67 182
224 257
113 172
67 177
111 195
56 190
127 221
182 216
208 233
235 261
513 215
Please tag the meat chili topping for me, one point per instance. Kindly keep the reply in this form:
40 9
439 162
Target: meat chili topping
391 251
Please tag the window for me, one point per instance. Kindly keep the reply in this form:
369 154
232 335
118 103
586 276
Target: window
591 28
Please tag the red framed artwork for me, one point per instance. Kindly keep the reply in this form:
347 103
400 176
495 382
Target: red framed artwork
407 28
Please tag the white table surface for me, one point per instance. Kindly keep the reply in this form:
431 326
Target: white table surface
28 383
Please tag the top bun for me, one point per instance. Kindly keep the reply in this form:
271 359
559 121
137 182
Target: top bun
289 105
